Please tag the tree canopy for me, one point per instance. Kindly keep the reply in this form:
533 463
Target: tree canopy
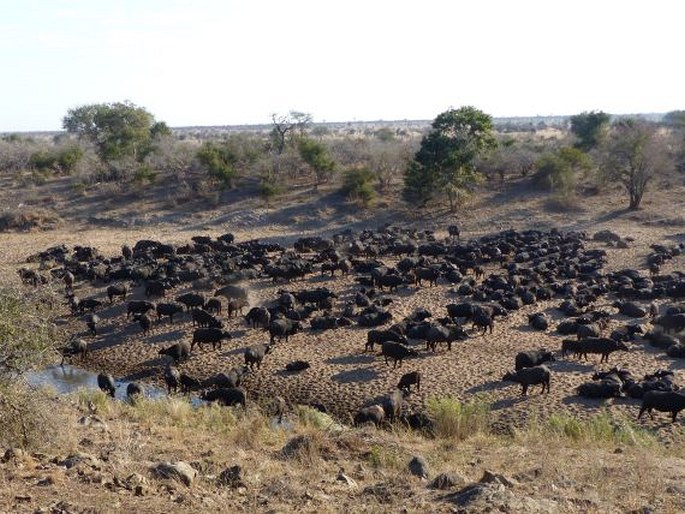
634 154
117 130
675 119
445 161
589 128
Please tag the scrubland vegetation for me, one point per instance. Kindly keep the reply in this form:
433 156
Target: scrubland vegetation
122 148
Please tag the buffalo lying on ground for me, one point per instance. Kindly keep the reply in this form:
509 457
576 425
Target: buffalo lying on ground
532 358
374 414
177 351
297 366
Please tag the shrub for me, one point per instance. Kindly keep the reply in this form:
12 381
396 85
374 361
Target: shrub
26 339
383 457
26 220
43 160
457 420
27 417
358 185
318 157
144 174
269 189
554 173
68 158
220 163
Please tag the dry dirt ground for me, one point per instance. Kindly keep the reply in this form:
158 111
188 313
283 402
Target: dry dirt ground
341 376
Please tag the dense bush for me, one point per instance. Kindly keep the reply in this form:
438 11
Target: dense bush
58 160
358 185
220 163
26 341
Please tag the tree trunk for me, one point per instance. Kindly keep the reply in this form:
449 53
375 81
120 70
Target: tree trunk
635 199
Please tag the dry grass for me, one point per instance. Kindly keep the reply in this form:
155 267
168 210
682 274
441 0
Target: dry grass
27 220
608 461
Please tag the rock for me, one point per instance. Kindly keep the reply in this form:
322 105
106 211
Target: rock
490 477
132 482
349 481
181 471
622 244
446 481
606 236
418 467
647 509
92 420
231 477
495 497
81 458
302 444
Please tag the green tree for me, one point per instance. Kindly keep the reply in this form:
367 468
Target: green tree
445 162
675 119
118 130
589 128
317 156
634 154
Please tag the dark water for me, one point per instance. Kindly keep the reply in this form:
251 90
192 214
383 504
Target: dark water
68 379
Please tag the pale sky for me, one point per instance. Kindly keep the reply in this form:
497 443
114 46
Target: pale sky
220 62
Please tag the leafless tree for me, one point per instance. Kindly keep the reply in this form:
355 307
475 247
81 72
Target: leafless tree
286 125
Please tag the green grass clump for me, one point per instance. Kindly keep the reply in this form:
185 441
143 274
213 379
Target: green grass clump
602 429
456 420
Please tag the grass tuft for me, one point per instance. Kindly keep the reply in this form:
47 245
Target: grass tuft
600 430
456 420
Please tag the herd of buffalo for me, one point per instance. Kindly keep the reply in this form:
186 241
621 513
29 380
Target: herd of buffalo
488 279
